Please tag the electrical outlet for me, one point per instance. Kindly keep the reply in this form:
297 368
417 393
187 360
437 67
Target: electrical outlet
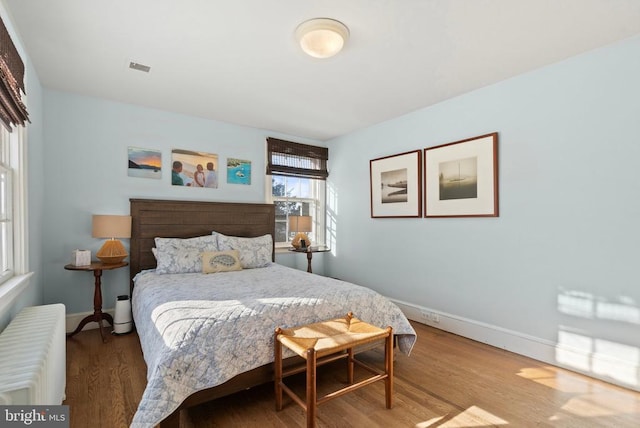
430 316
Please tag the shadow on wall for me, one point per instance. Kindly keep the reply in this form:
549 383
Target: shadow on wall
590 350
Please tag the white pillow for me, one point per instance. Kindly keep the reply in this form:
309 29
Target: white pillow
175 255
254 252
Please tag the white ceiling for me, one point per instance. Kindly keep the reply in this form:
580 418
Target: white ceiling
237 61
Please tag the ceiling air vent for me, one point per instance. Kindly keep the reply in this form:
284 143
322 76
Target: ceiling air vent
139 67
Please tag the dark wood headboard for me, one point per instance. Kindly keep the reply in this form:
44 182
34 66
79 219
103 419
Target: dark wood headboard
187 219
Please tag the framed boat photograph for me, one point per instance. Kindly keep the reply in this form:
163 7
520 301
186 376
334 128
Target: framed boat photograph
396 185
461 178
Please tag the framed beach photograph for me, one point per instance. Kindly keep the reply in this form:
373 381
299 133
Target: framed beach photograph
461 178
238 171
194 169
144 163
396 185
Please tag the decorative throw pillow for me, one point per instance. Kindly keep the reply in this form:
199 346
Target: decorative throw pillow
254 252
175 255
220 261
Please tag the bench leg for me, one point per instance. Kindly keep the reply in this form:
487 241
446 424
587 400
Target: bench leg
388 363
277 353
311 388
350 365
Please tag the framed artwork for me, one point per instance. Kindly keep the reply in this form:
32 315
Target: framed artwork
194 169
396 185
144 163
461 178
238 171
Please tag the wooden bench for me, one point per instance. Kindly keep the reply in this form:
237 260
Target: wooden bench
328 341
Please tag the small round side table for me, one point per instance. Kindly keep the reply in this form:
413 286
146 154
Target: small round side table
96 267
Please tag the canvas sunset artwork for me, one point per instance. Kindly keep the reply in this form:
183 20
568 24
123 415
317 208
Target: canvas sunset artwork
144 163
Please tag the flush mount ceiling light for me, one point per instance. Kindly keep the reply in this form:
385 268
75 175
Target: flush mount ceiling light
322 37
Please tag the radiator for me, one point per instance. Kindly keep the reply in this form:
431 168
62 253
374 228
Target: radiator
33 357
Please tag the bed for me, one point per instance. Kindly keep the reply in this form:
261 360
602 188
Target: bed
205 336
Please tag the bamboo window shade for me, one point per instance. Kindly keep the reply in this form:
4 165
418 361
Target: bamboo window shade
296 160
12 109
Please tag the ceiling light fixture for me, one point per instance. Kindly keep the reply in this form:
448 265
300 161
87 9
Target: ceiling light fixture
322 37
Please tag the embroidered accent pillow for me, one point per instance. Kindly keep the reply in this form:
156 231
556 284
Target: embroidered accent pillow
220 261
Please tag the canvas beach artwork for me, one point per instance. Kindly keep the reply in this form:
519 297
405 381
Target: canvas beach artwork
238 171
194 169
144 163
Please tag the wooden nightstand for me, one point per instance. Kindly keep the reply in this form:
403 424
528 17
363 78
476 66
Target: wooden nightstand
98 315
310 251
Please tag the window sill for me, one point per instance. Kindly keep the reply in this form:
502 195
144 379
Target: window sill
10 289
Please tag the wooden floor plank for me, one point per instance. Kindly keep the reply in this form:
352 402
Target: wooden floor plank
447 382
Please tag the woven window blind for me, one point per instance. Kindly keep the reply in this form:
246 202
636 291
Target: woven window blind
12 109
296 160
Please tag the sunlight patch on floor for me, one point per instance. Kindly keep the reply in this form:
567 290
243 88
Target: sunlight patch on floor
553 377
472 417
585 400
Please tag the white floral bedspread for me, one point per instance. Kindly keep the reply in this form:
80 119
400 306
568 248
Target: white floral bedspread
198 331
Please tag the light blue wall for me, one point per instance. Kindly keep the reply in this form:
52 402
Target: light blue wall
33 294
86 173
560 263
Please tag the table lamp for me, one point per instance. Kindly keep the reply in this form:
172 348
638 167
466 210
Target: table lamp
111 227
300 224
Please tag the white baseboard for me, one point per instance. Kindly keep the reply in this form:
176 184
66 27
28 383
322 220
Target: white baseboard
72 320
607 368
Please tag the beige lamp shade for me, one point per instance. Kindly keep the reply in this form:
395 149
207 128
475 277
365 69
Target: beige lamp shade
112 227
300 224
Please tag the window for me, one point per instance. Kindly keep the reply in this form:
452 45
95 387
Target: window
14 266
298 173
298 196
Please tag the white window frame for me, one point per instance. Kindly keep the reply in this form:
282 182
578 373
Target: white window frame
13 157
319 214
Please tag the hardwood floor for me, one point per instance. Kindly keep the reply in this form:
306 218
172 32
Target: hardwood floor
448 381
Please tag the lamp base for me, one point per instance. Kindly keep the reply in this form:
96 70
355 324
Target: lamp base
298 238
112 252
